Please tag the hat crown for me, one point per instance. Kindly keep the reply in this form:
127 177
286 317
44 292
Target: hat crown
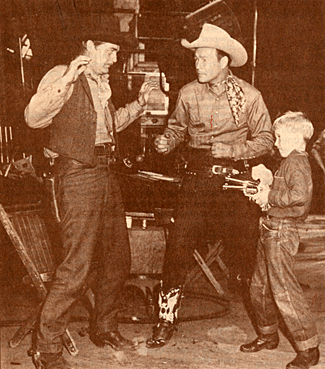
212 31
215 37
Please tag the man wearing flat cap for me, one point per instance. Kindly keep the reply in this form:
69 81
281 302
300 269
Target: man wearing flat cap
226 126
74 103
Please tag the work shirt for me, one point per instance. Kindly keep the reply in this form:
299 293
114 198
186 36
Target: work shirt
292 187
203 112
53 93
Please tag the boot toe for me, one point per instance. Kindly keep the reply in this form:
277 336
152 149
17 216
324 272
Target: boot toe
113 339
305 359
49 360
162 333
269 342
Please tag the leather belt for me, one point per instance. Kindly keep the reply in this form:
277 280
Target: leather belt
104 149
281 220
213 170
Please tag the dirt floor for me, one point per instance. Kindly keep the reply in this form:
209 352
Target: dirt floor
204 343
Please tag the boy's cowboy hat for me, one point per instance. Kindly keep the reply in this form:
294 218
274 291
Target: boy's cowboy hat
217 38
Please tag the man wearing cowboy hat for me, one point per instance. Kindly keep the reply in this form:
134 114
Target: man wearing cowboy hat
74 102
226 124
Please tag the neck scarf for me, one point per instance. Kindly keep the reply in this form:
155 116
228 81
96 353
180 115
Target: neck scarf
235 96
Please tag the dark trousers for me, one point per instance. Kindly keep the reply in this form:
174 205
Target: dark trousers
275 288
207 212
92 223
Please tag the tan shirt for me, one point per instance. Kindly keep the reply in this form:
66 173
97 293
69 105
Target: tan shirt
52 94
203 112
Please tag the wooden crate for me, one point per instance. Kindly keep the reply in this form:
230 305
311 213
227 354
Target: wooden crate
147 249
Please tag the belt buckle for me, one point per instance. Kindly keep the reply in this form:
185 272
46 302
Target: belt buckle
216 169
219 169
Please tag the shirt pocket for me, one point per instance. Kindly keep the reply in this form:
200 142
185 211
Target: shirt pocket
195 120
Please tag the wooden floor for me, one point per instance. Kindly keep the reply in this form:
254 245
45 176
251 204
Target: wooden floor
206 344
209 343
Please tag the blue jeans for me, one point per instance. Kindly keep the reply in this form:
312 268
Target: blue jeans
275 288
92 222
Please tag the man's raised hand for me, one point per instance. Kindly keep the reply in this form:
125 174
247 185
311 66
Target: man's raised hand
76 67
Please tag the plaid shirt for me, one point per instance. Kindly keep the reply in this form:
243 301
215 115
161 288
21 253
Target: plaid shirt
203 112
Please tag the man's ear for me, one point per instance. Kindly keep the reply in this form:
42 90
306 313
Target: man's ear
224 62
90 46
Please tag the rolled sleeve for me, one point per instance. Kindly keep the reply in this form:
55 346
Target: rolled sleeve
52 93
128 114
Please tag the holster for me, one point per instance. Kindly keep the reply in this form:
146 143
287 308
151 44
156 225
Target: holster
50 185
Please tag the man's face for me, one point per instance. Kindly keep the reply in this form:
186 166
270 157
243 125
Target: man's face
208 66
102 56
286 141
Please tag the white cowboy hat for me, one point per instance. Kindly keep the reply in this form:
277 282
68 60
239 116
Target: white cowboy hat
217 38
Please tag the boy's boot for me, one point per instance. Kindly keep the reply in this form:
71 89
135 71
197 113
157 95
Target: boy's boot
269 342
305 359
169 303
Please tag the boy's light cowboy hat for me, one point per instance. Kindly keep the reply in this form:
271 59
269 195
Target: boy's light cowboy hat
217 38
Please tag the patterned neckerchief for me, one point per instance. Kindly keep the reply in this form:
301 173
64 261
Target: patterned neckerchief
235 96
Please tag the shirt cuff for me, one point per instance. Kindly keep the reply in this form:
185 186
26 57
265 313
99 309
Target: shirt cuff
271 197
135 109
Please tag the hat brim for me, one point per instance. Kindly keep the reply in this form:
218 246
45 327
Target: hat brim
125 40
232 47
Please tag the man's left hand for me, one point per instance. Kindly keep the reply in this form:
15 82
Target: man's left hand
221 150
145 91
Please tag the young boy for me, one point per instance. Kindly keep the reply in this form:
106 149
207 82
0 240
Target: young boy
274 287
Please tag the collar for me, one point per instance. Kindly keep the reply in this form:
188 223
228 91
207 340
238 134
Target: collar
219 87
234 92
89 73
104 89
298 152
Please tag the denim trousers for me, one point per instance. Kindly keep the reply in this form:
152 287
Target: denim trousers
206 212
275 289
92 224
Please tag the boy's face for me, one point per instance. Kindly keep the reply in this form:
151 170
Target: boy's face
286 141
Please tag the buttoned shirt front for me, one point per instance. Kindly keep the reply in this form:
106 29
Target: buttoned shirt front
203 113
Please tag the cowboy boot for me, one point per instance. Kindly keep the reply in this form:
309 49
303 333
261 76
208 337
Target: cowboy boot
49 361
305 359
269 342
169 304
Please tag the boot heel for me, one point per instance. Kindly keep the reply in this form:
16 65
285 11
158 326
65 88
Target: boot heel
272 345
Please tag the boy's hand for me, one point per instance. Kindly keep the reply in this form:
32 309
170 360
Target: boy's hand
262 196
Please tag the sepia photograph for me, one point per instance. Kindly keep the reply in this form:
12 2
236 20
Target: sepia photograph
162 184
